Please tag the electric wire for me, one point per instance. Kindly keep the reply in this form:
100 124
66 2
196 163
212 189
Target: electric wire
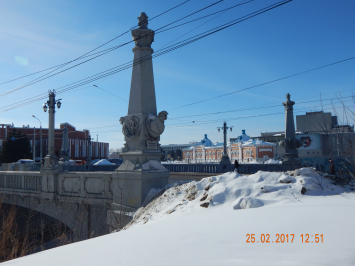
43 77
255 108
145 58
110 93
87 54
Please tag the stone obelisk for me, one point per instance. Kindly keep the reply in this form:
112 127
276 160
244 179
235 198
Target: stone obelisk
142 126
290 143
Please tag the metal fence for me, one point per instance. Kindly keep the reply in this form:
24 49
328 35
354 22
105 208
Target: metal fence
218 168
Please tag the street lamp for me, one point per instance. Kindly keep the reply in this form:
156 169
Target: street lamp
40 136
225 158
51 159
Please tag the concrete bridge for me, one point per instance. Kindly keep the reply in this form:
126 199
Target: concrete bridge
89 203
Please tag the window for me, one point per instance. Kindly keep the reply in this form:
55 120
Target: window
76 148
84 150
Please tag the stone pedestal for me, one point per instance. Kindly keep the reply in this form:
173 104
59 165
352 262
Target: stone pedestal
131 187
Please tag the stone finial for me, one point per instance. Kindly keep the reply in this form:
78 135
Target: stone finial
288 103
143 21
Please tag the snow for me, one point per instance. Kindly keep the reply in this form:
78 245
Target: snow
255 142
153 165
175 230
172 162
270 161
103 162
273 161
151 117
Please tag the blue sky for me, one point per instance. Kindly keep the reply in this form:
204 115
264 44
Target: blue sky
295 37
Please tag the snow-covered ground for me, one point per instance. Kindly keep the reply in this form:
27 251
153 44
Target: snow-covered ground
175 229
270 161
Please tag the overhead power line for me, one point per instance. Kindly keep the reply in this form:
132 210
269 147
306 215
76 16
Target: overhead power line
142 59
98 54
110 93
265 83
243 117
86 54
255 108
250 108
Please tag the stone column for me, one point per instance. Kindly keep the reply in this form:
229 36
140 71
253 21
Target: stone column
141 169
290 143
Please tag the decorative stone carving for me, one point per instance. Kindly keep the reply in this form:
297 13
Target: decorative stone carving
132 127
142 146
143 21
143 37
155 125
125 148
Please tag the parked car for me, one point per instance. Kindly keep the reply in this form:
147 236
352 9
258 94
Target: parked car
80 162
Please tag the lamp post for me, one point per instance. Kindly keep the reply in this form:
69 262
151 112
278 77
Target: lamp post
51 159
40 136
225 158
88 160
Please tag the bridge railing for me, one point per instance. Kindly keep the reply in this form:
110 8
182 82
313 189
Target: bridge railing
29 181
201 168
249 168
90 168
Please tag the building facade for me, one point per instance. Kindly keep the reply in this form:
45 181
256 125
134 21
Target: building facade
242 149
78 141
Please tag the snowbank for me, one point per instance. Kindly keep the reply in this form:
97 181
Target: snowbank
235 191
208 222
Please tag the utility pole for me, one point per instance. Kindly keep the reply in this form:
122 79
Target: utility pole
34 145
225 158
97 145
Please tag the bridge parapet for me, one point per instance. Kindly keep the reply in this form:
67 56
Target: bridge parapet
21 181
218 168
88 185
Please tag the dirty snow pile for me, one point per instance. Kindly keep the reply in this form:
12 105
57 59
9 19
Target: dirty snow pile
210 222
235 191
